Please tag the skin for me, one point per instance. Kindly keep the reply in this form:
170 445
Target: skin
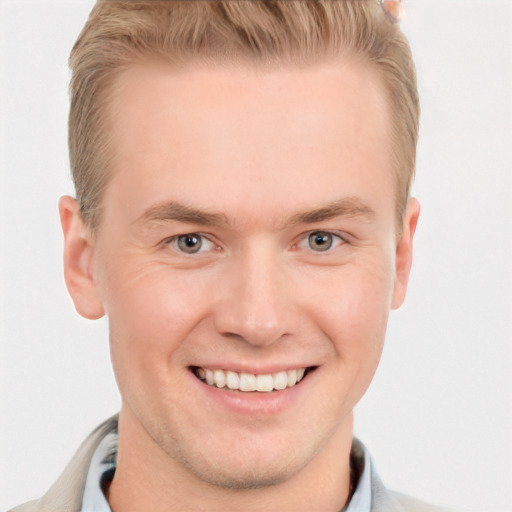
256 160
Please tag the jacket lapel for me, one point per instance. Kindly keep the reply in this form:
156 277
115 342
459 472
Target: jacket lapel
66 494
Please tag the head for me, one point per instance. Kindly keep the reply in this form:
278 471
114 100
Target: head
242 219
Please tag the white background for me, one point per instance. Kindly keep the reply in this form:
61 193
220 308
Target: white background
437 418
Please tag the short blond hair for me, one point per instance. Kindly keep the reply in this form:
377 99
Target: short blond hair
121 32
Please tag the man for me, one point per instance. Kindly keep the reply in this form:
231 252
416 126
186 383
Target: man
243 218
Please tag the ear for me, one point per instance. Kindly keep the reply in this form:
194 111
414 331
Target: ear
404 253
78 260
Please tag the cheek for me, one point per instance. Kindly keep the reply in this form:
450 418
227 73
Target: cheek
354 311
152 298
150 315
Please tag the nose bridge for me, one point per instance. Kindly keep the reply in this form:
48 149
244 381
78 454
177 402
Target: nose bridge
256 303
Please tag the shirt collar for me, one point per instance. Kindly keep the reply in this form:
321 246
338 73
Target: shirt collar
361 462
103 464
101 469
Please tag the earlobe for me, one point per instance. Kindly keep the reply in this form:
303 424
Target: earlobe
404 253
78 260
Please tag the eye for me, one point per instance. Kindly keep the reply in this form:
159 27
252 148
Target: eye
322 241
192 243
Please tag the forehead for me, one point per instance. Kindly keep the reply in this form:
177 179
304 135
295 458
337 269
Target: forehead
305 94
249 127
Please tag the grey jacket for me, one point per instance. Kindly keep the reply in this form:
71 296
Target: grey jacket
66 494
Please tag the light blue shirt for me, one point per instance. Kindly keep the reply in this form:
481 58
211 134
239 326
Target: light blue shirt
103 464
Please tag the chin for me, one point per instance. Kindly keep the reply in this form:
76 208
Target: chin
244 477
244 465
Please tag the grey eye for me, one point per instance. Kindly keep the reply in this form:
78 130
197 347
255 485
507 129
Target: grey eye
190 244
320 241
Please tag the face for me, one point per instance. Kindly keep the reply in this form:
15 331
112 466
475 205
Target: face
248 240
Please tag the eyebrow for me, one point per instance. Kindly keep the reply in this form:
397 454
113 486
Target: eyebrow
346 207
173 211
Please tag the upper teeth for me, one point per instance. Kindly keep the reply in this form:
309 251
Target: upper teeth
249 381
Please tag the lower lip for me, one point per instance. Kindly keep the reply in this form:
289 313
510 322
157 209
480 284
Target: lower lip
241 402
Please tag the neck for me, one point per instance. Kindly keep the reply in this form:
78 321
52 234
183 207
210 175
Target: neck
147 479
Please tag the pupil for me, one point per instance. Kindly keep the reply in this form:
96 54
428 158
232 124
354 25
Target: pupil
191 241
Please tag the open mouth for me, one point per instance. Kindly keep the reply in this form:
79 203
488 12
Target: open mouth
248 382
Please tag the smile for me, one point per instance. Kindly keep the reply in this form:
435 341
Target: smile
248 382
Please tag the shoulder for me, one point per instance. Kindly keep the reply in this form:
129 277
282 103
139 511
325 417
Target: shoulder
413 505
385 500
31 506
65 495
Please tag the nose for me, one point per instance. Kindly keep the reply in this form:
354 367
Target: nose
254 302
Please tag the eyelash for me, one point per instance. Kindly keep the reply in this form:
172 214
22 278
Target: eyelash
336 240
